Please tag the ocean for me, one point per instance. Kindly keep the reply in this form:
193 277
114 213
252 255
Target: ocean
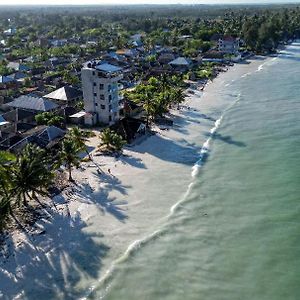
236 232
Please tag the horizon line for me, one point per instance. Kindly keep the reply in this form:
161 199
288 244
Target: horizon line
156 4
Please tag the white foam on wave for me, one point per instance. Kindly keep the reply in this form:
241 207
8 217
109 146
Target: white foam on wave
205 149
135 245
260 68
246 75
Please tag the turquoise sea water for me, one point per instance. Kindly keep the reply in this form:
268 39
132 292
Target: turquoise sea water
237 234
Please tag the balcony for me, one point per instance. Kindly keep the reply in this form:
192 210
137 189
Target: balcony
120 97
120 87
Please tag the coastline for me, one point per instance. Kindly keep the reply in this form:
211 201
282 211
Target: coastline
94 223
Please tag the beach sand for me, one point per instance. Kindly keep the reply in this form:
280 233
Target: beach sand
94 222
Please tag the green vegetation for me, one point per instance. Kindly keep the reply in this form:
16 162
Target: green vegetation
22 178
157 95
188 28
79 138
48 118
69 155
111 141
189 31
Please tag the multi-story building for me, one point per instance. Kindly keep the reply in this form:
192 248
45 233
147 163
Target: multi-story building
101 92
228 44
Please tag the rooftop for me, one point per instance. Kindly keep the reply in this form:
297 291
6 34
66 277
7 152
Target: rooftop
3 121
32 102
64 94
6 79
17 66
180 61
102 66
108 68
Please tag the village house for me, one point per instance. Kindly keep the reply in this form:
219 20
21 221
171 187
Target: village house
181 64
33 103
15 119
102 100
18 66
10 32
43 136
65 96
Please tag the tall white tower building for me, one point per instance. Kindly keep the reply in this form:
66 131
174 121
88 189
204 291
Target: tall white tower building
101 92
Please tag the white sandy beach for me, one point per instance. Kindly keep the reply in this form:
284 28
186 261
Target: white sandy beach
95 222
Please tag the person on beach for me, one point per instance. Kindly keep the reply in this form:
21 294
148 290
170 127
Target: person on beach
109 171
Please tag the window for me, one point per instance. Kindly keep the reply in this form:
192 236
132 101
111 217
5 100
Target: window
94 83
101 86
102 106
102 97
93 73
96 104
109 107
109 97
109 118
95 94
109 87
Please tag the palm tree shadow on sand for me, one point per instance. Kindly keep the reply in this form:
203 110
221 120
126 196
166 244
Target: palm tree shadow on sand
180 151
102 198
50 264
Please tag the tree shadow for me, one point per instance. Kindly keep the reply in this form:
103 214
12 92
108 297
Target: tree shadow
180 151
50 263
101 198
187 117
243 62
226 139
132 161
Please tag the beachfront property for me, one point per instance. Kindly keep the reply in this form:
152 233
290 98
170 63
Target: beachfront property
228 44
101 92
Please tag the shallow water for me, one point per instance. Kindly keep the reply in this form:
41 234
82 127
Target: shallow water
236 234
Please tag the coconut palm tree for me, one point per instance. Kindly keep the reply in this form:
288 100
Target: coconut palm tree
79 137
69 155
30 174
6 161
111 141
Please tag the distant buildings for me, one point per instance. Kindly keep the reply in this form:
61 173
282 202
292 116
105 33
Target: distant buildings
228 44
10 32
18 66
102 100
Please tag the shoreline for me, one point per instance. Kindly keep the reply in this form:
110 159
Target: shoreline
103 216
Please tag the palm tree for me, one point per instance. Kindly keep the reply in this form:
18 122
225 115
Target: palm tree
69 155
145 99
79 137
31 174
177 96
111 141
6 161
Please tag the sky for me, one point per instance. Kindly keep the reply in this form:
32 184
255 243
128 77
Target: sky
106 2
